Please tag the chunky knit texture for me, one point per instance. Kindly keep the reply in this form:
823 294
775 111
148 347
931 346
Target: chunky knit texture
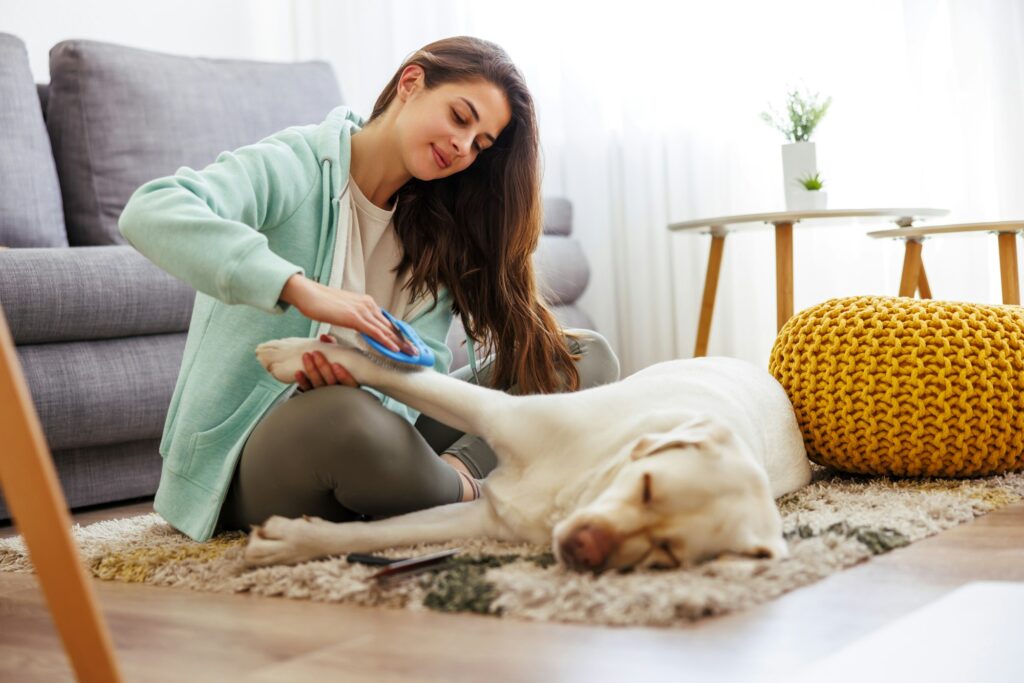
907 387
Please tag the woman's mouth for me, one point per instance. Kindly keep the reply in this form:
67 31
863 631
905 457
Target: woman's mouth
441 162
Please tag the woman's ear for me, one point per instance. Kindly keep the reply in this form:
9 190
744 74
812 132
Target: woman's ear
410 81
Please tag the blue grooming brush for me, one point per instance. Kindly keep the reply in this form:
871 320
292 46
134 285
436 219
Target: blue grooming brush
424 355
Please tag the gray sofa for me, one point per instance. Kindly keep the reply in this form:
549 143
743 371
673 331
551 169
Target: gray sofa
99 330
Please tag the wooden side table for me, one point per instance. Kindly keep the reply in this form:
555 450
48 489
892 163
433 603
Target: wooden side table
913 264
29 482
783 223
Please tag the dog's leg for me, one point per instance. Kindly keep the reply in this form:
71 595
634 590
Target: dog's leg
289 541
459 404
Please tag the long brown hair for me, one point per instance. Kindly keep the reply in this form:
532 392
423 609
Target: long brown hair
475 231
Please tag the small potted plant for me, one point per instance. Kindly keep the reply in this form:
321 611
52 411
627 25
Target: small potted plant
815 198
804 112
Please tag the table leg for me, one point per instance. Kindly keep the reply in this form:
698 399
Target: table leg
30 485
911 268
1008 268
707 305
783 273
922 284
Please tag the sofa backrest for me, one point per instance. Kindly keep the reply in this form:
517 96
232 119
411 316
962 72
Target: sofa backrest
120 116
31 214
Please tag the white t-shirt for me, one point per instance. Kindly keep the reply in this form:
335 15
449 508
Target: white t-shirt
373 252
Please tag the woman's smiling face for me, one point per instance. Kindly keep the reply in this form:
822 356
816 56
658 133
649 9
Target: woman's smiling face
443 130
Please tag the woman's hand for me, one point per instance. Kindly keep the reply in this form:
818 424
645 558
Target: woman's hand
320 373
342 308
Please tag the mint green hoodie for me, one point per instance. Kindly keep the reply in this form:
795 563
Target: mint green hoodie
236 231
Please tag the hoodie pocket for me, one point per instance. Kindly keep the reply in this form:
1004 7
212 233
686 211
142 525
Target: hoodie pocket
208 453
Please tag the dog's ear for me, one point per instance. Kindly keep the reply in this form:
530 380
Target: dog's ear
694 431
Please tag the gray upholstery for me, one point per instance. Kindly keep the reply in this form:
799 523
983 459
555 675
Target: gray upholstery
119 116
100 331
101 474
563 269
557 216
30 203
93 393
75 294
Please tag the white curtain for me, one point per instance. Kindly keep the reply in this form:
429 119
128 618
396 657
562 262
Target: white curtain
649 114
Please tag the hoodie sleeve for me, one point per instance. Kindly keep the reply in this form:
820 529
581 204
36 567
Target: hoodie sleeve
206 227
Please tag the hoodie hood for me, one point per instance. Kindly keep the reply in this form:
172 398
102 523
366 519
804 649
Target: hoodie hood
334 144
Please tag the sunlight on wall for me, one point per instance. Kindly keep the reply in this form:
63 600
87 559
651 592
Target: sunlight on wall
649 114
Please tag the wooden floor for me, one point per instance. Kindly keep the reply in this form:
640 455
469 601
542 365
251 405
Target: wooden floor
167 634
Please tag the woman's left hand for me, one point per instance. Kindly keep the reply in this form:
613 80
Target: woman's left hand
320 372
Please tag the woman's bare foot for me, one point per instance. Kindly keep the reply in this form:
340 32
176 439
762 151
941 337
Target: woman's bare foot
470 486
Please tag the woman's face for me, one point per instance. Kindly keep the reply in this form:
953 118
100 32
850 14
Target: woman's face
442 131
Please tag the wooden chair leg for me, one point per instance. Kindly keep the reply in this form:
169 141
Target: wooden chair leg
911 268
707 305
32 490
922 284
1008 268
783 273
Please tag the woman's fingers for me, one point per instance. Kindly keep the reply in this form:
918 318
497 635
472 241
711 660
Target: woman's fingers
344 376
382 332
312 370
302 381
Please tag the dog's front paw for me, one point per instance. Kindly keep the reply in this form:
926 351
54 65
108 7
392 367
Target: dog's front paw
281 540
282 358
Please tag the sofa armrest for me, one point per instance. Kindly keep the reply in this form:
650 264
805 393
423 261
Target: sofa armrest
82 293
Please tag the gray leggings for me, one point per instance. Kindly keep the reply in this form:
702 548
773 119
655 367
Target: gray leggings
337 453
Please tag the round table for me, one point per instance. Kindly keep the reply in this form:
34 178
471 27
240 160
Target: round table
783 222
1006 231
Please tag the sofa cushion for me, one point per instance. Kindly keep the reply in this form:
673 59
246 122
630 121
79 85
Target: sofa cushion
110 391
80 293
557 216
104 474
31 214
119 117
562 270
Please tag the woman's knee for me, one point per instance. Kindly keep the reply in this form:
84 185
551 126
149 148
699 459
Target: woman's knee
330 423
598 364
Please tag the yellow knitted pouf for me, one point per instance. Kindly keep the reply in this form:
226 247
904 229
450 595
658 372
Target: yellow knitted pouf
907 387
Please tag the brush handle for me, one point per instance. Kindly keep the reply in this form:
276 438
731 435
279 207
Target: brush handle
424 356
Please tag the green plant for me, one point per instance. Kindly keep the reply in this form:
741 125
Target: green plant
803 114
812 182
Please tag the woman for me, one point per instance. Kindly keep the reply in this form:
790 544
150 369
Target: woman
429 208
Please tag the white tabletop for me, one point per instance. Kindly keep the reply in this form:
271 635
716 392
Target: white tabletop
722 222
993 226
968 634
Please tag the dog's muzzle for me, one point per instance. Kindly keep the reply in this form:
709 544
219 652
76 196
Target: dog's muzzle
588 547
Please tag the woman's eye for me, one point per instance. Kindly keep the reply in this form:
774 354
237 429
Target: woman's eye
458 119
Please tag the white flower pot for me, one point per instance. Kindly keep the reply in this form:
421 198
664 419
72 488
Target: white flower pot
798 161
808 200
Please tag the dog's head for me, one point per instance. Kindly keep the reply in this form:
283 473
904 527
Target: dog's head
684 496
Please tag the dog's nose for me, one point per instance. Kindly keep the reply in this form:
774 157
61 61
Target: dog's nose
588 547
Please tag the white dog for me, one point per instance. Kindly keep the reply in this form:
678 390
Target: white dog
675 464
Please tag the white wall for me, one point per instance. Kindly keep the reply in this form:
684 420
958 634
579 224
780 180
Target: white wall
244 29
650 116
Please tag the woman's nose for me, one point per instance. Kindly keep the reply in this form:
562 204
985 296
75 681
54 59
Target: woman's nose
462 144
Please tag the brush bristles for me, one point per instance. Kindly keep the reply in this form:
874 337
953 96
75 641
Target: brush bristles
352 339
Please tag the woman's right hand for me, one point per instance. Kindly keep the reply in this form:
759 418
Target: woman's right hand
342 308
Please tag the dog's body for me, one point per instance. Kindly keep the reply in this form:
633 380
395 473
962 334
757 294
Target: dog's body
574 467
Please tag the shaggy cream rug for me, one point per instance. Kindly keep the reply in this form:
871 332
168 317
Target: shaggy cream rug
834 523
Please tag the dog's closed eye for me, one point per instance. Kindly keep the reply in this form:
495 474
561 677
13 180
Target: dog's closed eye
647 488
